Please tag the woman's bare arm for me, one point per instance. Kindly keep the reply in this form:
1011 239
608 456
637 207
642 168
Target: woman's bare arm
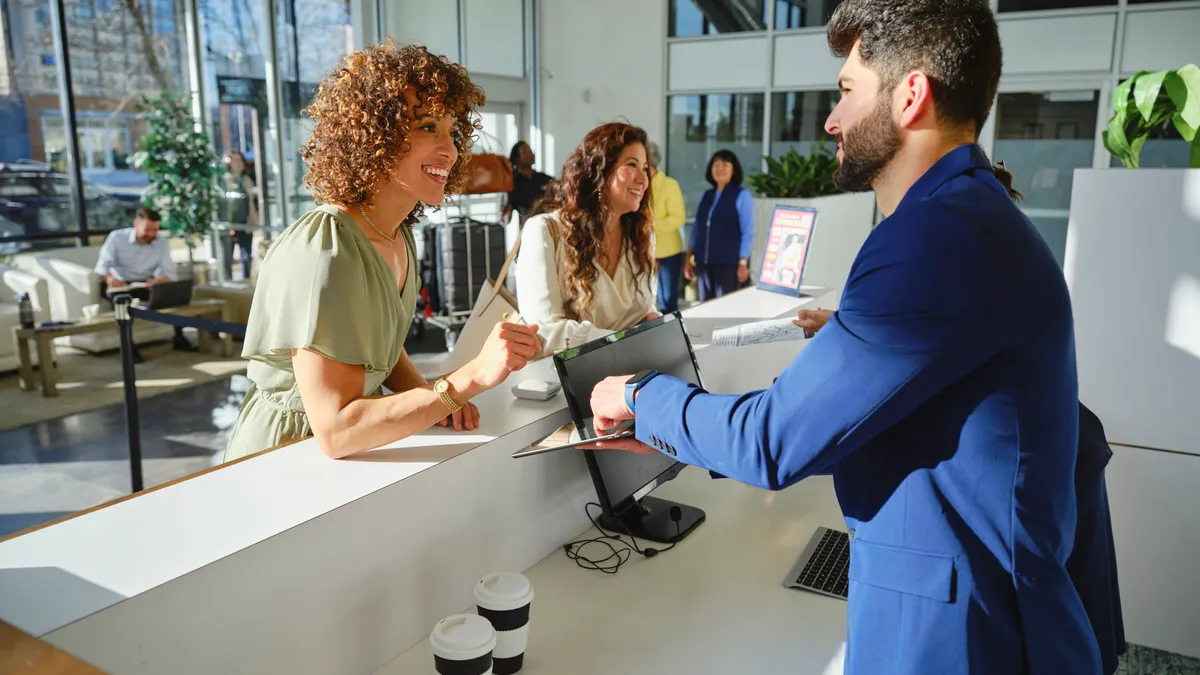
345 422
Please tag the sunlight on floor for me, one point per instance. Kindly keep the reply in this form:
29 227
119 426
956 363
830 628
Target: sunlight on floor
1183 316
215 368
166 382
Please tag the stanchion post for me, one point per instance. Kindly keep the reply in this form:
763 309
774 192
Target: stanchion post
132 426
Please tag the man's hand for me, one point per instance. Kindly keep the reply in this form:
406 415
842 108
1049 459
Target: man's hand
609 410
112 282
813 319
464 419
650 316
743 274
157 280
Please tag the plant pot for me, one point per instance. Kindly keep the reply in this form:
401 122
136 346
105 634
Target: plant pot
1133 269
843 223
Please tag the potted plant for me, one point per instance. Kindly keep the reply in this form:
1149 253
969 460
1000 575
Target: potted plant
1148 101
179 161
1133 246
843 220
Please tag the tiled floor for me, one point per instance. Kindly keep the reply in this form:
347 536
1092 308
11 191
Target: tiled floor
1146 661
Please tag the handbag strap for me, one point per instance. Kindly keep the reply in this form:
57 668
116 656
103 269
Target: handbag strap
508 260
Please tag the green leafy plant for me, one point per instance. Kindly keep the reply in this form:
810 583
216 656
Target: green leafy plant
1147 101
183 169
798 176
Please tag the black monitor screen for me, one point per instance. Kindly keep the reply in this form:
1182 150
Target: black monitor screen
660 345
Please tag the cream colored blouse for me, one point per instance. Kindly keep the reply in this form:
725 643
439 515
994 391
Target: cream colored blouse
619 301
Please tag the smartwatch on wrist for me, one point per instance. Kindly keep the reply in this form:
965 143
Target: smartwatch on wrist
637 382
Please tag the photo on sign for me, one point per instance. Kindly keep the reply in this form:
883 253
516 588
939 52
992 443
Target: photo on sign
787 247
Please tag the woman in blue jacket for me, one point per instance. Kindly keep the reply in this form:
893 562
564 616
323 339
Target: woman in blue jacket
718 255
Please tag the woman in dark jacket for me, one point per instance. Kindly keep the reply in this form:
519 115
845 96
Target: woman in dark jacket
718 256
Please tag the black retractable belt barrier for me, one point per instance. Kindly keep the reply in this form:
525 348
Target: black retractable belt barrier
126 313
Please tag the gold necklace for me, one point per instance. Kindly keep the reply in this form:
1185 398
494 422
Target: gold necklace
372 224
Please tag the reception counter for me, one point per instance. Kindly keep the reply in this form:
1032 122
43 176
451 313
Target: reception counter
291 562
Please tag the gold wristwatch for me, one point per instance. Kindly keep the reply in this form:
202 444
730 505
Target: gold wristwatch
442 388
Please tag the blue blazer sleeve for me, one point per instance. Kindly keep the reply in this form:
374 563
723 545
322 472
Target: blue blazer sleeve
916 315
745 209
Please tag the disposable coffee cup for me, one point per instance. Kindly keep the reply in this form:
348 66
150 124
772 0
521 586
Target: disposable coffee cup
504 598
462 644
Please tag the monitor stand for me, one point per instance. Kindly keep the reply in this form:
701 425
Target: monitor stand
650 519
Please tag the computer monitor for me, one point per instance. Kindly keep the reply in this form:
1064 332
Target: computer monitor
624 480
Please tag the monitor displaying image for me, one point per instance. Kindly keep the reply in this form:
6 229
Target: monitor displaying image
788 242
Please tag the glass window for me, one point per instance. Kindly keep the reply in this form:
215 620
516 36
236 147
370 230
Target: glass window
119 53
235 48
710 17
313 36
702 124
1042 138
29 149
803 13
798 119
1028 5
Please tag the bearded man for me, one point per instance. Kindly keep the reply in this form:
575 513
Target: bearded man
942 395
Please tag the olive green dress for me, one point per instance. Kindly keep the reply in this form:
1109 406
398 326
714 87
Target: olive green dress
325 288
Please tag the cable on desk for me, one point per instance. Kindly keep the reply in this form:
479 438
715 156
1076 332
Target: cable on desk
620 552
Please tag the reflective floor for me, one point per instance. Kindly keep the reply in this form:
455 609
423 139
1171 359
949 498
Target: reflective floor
56 467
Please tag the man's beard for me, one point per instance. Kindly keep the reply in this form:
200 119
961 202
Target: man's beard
867 149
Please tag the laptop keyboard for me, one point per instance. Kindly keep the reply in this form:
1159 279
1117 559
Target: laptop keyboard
828 568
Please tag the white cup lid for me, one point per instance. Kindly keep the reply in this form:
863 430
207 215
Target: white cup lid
501 591
462 637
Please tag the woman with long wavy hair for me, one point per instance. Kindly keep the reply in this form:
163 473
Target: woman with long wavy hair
586 265
392 130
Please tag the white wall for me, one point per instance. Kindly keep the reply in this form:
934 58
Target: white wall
495 37
600 61
433 23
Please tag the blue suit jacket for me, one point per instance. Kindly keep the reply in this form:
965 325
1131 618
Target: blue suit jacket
942 396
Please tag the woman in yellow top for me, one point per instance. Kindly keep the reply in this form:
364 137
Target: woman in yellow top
337 292
669 216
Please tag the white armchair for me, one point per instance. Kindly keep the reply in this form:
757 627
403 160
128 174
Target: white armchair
14 283
72 285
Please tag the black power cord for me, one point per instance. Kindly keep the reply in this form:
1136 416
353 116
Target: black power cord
620 552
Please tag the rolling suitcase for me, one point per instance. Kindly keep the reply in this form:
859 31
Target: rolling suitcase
466 253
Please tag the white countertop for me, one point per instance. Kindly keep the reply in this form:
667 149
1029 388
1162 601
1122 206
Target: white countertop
62 573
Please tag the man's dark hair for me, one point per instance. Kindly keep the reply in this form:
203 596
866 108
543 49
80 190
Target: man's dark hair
148 214
728 156
956 43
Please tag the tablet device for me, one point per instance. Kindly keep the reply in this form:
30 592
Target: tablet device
789 240
623 430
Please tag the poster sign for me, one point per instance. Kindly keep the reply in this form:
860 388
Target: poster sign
788 242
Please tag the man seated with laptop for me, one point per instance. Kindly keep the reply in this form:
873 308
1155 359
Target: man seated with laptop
134 260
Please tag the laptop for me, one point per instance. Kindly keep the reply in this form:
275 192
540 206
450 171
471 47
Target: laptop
824 565
167 294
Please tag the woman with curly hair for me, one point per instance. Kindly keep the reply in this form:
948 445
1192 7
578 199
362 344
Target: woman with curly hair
586 265
338 289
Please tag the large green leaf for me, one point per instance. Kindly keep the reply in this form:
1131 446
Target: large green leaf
1145 91
1195 154
1184 90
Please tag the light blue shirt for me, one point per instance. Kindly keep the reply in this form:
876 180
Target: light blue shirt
745 210
128 260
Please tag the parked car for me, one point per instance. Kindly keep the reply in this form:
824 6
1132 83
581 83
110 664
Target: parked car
10 230
38 199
